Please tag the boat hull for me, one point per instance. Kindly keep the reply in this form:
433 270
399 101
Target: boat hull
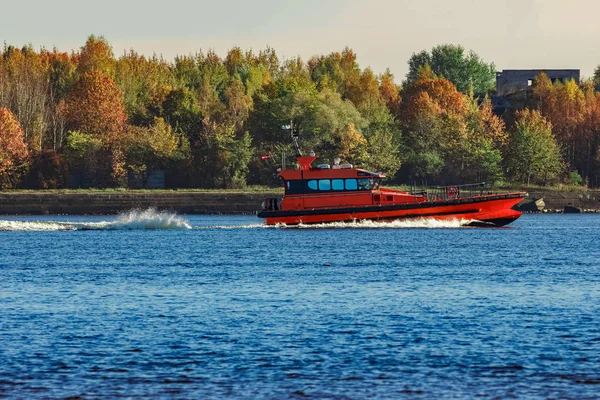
489 211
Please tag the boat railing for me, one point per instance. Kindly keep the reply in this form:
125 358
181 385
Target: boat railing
452 192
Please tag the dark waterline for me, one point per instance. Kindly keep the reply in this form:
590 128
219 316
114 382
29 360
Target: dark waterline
249 312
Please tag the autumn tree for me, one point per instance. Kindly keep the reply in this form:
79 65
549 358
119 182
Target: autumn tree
389 92
25 91
97 55
47 171
364 93
95 108
596 77
450 137
62 77
431 119
574 112
95 105
13 150
283 99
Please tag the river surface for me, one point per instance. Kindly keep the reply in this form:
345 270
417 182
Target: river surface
163 306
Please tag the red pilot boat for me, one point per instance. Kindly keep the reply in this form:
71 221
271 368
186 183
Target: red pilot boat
343 193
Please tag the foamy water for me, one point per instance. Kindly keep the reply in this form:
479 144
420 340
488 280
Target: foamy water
149 219
152 219
35 226
427 223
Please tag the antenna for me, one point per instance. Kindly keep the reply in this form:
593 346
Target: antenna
295 134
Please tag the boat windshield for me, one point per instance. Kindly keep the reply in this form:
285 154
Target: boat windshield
368 183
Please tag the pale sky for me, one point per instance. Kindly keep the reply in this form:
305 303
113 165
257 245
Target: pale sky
384 33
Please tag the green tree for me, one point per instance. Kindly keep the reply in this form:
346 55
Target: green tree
534 156
62 73
383 152
86 159
157 146
466 71
139 79
182 112
479 148
222 157
238 103
596 77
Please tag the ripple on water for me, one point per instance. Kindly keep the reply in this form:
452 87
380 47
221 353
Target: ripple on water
236 310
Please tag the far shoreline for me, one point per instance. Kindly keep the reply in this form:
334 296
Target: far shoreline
211 201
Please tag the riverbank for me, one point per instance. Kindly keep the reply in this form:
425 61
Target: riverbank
555 201
115 202
211 201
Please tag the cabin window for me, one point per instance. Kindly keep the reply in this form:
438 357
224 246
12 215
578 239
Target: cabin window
351 184
324 184
312 185
294 187
337 184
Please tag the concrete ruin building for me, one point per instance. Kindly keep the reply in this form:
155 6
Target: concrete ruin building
513 86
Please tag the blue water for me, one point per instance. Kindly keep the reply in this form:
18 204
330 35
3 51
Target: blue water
96 308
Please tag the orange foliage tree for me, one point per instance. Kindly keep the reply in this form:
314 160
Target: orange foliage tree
95 105
13 150
389 92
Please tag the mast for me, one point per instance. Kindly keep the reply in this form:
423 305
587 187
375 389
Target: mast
294 134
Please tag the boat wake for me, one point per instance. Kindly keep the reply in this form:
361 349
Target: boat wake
159 220
423 223
149 219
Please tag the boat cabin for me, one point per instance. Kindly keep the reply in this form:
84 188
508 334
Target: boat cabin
338 185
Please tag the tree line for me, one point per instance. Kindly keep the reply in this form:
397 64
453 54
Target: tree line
90 119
